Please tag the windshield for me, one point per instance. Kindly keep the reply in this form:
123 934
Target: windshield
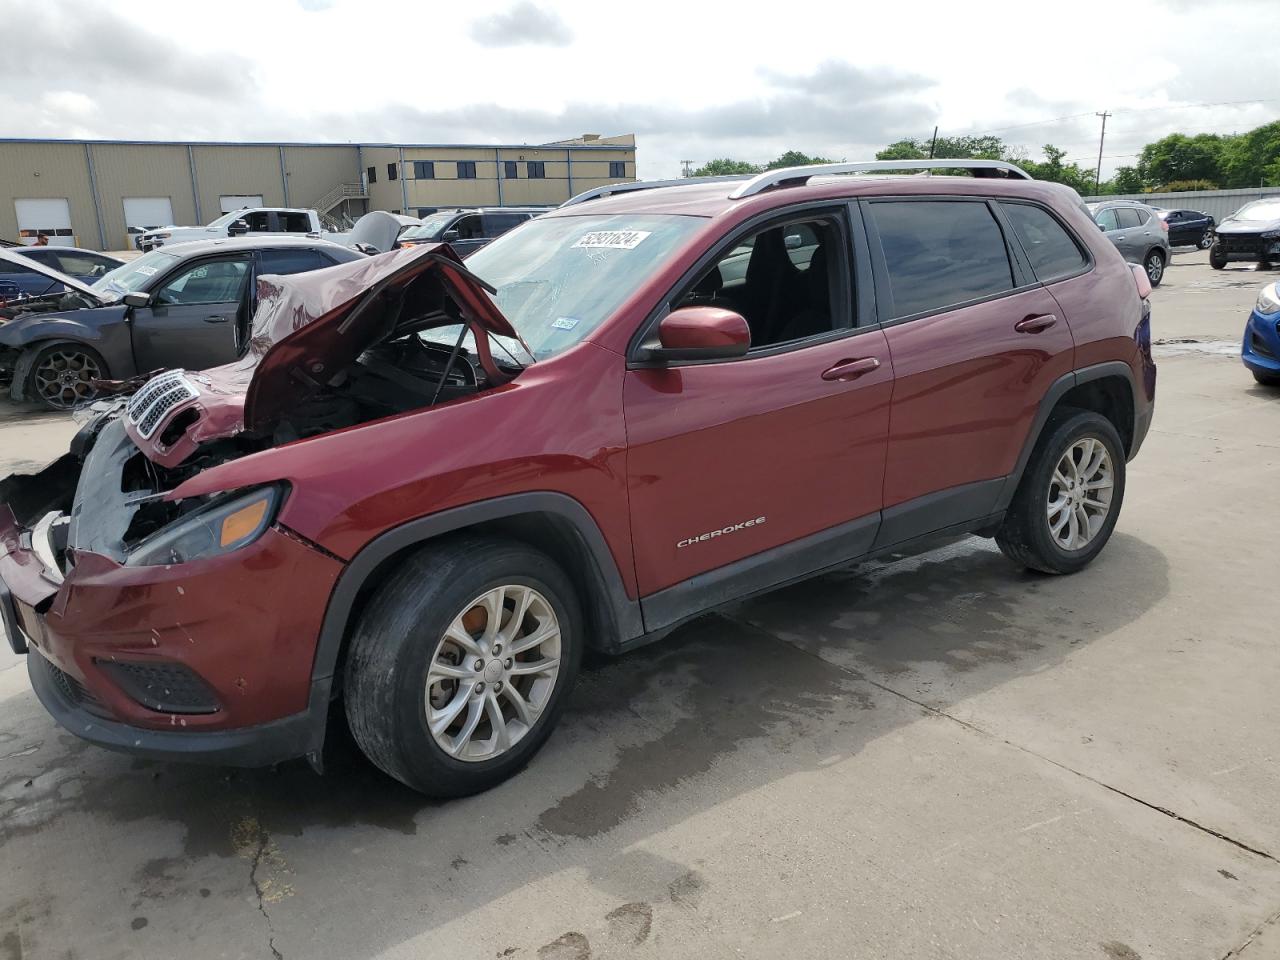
429 227
559 278
1259 210
132 276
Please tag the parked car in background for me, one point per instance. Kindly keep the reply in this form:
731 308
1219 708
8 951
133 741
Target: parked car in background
1252 233
431 485
1261 348
1188 228
468 230
189 305
19 271
251 221
1139 235
376 232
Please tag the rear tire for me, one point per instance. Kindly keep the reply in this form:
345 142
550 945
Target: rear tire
1266 379
1154 265
1062 473
1205 242
426 669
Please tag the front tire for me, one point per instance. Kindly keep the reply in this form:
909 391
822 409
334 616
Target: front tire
1266 379
1217 259
61 376
446 690
1069 499
1206 241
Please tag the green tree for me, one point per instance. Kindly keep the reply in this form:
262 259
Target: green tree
1180 157
724 167
1055 169
1126 180
1252 158
794 158
966 148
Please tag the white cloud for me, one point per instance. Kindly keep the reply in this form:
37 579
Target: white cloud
692 81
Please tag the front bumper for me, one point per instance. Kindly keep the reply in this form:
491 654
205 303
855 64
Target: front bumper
1260 349
242 627
1243 246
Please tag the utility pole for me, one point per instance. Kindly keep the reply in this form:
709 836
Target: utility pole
688 168
934 142
1097 176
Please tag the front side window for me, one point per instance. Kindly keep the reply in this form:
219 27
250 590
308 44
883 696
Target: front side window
1108 219
537 169
782 280
559 278
470 227
466 169
259 221
939 253
217 281
1050 248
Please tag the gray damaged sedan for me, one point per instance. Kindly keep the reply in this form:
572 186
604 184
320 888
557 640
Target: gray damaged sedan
189 305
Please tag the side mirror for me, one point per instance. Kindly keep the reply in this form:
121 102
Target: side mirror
701 333
136 299
237 228
793 241
449 236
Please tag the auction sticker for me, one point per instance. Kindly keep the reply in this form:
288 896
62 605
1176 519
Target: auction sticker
613 239
147 271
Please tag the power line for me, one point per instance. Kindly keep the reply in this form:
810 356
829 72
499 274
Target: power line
1076 116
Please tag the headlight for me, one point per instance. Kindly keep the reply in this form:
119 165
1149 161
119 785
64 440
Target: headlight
222 526
1268 299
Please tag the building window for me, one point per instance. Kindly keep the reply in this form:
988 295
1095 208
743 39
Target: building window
424 169
372 174
510 170
466 169
537 170
617 168
391 171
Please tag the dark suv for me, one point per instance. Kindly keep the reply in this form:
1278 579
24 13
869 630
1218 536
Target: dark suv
429 487
467 230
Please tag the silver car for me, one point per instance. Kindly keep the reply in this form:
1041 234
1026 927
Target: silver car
1137 231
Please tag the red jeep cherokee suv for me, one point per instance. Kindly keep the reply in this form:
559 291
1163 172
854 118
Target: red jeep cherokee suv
427 487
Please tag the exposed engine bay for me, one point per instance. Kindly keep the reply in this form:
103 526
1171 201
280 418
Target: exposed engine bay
107 496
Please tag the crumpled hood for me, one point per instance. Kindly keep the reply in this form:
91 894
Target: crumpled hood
307 327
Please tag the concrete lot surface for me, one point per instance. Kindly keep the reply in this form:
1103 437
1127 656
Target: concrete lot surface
935 757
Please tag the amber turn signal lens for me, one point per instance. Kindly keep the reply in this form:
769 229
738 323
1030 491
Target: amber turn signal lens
243 522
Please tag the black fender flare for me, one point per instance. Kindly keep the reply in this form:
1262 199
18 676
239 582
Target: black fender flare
1057 390
606 590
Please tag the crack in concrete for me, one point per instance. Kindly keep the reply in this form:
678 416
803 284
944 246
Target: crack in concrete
1237 951
263 840
1017 746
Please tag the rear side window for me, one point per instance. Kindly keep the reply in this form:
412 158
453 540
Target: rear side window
496 224
294 222
292 261
1051 250
940 252
1128 217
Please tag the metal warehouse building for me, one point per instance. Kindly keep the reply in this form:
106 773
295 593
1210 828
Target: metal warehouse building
97 193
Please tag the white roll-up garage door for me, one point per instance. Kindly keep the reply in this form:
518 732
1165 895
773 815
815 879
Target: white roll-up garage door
147 213
52 217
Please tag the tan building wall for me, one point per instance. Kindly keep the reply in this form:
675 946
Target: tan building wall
140 170
41 171
296 175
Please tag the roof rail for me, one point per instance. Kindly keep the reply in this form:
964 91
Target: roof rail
794 176
611 188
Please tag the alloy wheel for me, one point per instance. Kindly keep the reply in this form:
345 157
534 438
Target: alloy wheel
1155 268
1205 242
64 378
1079 499
493 673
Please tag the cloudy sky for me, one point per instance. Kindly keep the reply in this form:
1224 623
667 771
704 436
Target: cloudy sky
691 80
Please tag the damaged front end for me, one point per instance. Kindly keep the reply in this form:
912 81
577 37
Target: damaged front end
183 624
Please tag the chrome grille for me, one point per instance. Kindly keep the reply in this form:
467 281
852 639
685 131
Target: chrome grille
157 397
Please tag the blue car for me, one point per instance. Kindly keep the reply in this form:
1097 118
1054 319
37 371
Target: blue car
1261 348
84 265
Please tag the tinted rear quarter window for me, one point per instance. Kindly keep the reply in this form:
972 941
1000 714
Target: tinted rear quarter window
940 252
1050 248
291 261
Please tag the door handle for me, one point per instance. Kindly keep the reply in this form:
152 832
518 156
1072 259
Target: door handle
1036 324
851 369
215 318
1121 237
